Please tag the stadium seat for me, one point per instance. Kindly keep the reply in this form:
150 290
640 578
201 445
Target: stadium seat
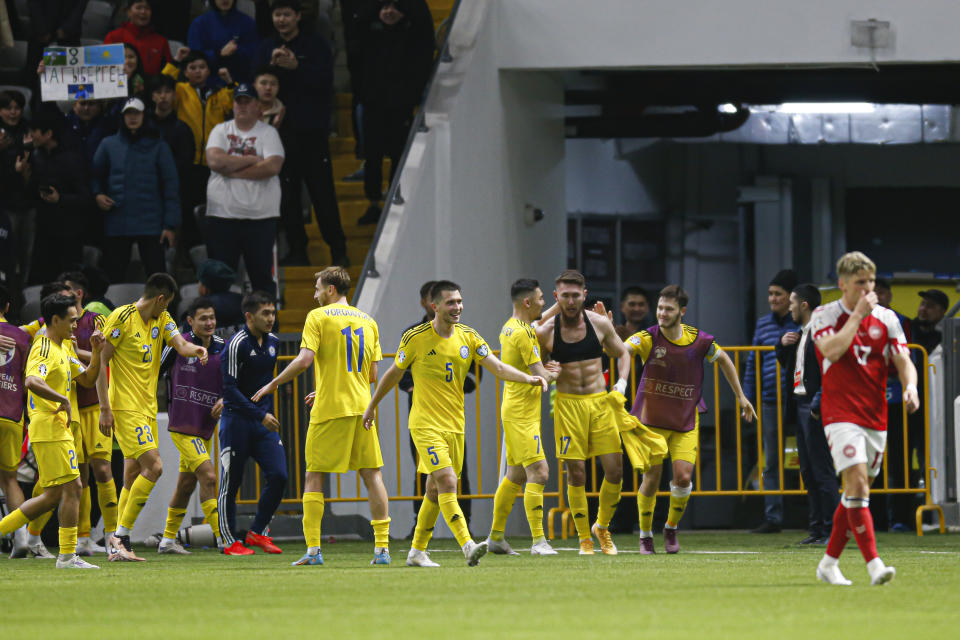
96 20
30 311
27 93
187 294
32 294
124 293
198 254
13 59
247 7
174 45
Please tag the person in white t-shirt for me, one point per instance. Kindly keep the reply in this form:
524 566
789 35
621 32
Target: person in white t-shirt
245 156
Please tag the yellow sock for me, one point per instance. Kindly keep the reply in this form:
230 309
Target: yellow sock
68 540
577 497
502 506
122 502
454 517
426 520
212 515
312 515
174 519
83 521
679 497
107 498
139 493
645 507
381 533
13 521
609 499
533 505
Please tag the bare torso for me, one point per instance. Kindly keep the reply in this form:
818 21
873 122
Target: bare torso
583 377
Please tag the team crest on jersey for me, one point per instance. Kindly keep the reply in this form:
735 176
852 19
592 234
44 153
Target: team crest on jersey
155 333
483 351
464 352
660 352
6 356
191 360
43 370
115 333
401 356
875 332
849 451
170 326
507 331
273 352
634 340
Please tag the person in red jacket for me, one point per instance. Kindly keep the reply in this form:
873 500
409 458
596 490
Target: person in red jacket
137 30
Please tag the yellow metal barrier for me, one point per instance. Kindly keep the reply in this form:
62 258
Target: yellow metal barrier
293 431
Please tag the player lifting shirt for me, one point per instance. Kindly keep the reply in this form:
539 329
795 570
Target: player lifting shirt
584 424
439 354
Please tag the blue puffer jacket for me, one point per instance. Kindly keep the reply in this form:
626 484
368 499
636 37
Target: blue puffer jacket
140 176
768 332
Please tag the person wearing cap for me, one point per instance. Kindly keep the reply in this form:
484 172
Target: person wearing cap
215 280
798 359
243 194
770 328
137 189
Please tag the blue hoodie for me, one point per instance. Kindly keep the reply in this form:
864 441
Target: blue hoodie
211 31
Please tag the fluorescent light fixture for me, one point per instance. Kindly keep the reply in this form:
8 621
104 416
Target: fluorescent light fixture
818 107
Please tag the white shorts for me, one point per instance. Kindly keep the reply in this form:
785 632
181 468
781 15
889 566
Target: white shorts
852 444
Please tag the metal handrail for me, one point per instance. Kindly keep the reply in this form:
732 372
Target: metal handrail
418 126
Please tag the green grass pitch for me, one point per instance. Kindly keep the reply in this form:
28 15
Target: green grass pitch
721 585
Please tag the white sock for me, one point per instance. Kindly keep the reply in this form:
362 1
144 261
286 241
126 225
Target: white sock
65 556
875 565
646 534
167 541
666 526
32 539
539 539
312 551
122 531
828 561
80 540
107 535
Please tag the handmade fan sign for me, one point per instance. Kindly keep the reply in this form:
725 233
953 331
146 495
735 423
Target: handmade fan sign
83 73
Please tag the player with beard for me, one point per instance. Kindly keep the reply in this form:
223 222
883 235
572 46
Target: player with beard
667 398
584 424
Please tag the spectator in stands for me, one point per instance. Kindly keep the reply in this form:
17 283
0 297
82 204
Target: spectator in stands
201 108
56 177
353 28
133 68
53 21
311 12
798 358
16 202
136 186
770 328
635 307
266 80
397 58
153 47
215 280
226 36
893 511
87 126
926 326
243 194
305 62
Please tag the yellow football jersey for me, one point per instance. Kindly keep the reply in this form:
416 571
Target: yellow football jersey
33 328
519 349
48 362
76 368
439 366
345 342
135 364
641 342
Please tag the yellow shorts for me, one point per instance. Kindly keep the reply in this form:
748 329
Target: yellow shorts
438 449
524 446
584 426
194 451
11 444
78 440
95 444
342 444
136 433
682 445
56 461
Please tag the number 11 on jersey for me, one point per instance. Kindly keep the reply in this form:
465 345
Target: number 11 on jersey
346 331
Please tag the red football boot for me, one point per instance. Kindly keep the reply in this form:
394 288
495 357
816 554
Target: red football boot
264 542
237 549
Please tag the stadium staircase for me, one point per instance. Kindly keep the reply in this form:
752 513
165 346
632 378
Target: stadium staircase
298 282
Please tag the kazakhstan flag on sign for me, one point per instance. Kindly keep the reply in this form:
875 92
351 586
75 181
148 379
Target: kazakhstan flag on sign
104 54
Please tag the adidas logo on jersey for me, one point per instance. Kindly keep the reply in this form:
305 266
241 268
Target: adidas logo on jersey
432 352
137 334
253 352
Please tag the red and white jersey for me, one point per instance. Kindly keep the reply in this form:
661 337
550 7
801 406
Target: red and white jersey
854 387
